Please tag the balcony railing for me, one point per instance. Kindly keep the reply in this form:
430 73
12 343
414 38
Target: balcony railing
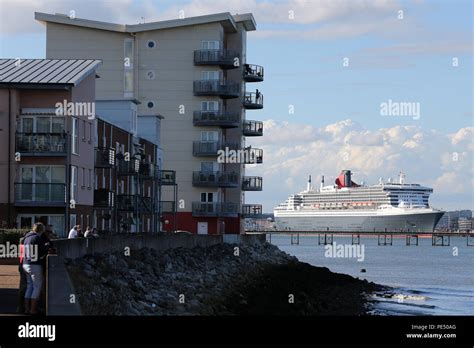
222 119
41 144
167 207
104 157
252 183
210 148
134 203
222 57
215 209
45 194
215 179
103 198
253 100
253 156
253 73
251 210
127 167
253 128
167 177
222 89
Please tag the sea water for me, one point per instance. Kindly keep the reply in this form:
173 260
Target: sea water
426 279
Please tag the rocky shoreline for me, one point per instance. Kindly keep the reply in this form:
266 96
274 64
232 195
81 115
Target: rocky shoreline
223 279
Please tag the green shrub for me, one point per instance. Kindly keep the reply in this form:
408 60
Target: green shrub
11 235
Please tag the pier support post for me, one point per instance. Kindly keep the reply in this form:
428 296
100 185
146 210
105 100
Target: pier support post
412 239
355 239
328 238
385 239
296 240
470 239
440 239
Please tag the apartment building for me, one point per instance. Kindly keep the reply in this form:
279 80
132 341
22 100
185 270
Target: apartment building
128 181
193 71
46 152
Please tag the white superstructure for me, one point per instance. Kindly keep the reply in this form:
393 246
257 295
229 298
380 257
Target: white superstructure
347 206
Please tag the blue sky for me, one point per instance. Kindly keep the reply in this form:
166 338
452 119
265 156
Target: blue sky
407 59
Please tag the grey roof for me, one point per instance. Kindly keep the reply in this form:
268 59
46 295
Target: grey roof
46 71
225 18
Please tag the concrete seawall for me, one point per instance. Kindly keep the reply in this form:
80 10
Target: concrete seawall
74 248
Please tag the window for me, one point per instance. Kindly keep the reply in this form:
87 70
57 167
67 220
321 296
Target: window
133 121
128 67
210 45
209 136
85 131
209 166
90 132
210 75
75 136
207 197
72 220
89 186
150 44
42 124
73 182
83 178
210 106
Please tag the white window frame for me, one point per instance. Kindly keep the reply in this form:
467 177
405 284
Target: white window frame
206 44
75 136
205 106
207 74
73 183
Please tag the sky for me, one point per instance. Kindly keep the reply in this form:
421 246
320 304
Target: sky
330 66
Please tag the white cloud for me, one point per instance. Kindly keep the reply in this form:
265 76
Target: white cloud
292 152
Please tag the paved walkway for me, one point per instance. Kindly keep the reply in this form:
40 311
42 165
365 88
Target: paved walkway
9 284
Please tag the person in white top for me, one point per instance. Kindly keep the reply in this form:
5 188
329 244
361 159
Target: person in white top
73 232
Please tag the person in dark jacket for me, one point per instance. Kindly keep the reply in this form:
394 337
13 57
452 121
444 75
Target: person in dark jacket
34 251
22 290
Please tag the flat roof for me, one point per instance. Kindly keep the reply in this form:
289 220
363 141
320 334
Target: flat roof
228 21
40 72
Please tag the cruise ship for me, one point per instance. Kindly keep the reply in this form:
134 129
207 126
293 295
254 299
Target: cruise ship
350 207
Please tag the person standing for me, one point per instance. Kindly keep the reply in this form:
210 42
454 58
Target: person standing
34 251
74 232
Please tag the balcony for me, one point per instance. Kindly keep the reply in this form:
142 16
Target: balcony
41 144
148 171
253 128
253 73
167 207
251 210
127 168
167 177
103 198
215 209
252 183
215 179
211 148
217 88
253 100
134 203
104 157
40 194
253 156
216 118
222 57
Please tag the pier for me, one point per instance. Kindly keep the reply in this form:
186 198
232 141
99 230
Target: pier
384 238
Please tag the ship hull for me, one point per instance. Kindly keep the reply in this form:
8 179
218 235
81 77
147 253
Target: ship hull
396 220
